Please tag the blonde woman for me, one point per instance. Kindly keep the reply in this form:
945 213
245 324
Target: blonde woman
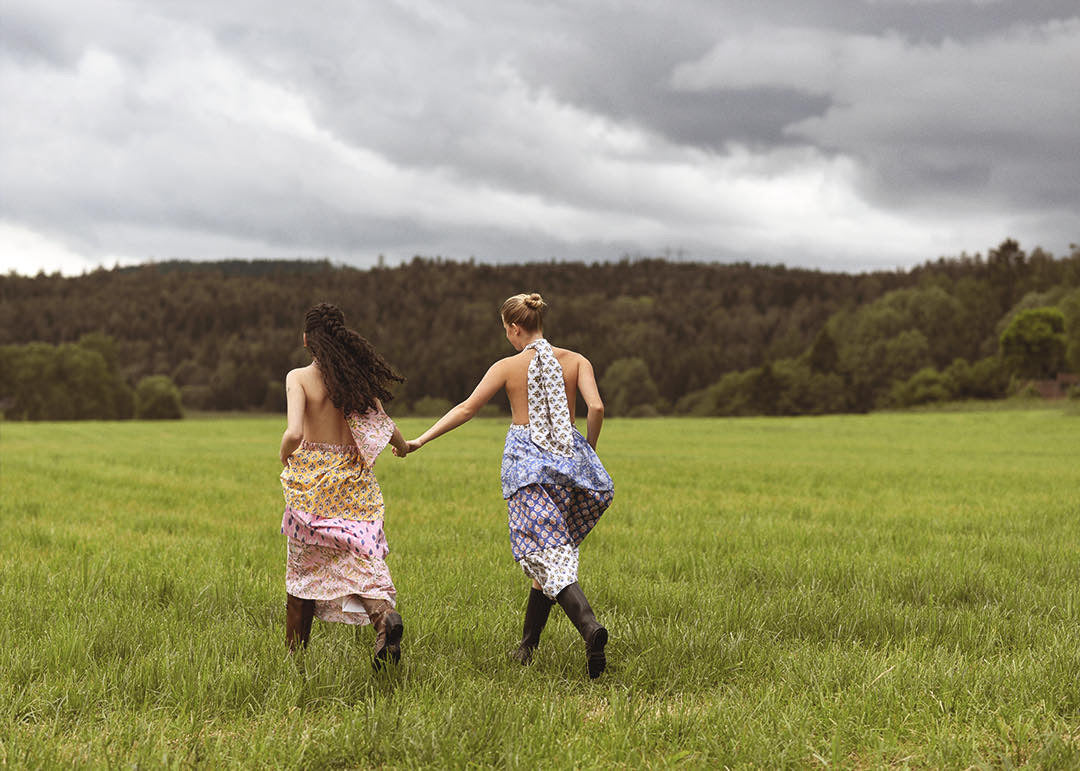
553 482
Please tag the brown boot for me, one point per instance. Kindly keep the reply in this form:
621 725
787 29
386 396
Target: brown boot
298 615
388 630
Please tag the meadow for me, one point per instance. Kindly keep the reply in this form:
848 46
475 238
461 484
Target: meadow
898 590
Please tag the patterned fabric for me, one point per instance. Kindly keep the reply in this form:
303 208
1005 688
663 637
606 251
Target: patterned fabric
552 502
363 538
549 414
329 480
547 516
334 523
371 432
554 569
523 463
333 577
555 486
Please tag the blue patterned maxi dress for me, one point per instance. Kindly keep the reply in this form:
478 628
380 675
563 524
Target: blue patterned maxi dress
554 496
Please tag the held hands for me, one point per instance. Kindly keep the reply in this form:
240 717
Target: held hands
410 446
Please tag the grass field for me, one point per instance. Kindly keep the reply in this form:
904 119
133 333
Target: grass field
852 591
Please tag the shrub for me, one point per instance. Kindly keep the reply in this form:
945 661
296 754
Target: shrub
157 398
925 386
65 382
1033 345
627 384
431 406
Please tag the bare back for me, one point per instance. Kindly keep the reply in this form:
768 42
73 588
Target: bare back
512 374
323 422
517 380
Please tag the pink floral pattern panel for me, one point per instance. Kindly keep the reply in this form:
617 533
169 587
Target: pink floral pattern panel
371 432
331 576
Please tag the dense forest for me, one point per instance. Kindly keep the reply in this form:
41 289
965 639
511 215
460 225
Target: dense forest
663 336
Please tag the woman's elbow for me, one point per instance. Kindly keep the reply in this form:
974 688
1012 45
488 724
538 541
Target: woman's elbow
597 408
292 436
467 411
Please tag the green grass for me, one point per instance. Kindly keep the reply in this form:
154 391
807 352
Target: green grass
855 591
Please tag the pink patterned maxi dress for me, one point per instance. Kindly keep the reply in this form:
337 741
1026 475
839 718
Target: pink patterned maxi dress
333 521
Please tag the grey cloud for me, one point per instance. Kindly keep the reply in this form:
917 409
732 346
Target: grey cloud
511 130
956 122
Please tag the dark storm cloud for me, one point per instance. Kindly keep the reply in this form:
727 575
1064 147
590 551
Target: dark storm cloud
850 134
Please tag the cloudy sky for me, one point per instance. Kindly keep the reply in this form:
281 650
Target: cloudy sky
840 134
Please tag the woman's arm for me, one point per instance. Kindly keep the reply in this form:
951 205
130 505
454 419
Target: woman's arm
489 385
591 394
397 441
294 429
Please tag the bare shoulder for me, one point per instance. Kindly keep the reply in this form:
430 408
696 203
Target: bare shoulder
566 356
504 362
503 367
299 376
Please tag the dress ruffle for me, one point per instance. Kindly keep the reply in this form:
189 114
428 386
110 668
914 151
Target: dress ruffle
524 463
332 577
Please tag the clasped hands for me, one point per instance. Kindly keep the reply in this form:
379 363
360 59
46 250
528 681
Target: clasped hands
410 446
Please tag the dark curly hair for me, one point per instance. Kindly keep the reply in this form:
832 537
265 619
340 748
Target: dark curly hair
354 373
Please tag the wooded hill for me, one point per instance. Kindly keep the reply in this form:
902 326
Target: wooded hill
664 336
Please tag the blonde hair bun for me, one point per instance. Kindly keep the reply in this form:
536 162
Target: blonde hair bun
525 310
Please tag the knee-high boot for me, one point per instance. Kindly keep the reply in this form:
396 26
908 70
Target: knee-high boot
576 606
298 615
388 630
536 615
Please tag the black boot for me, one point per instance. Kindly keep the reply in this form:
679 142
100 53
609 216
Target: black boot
573 601
536 615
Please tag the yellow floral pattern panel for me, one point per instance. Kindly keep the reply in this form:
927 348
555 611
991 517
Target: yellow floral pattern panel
331 481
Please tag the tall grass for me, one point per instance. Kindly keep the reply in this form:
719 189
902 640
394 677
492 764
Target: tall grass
895 589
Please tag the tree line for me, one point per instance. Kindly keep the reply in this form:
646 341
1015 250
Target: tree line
663 336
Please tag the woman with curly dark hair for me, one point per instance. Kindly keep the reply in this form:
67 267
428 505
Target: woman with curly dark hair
333 505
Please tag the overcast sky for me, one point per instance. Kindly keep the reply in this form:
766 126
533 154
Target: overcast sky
840 134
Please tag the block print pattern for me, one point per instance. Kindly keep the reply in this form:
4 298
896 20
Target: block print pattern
546 516
554 569
331 481
524 463
371 432
549 414
333 521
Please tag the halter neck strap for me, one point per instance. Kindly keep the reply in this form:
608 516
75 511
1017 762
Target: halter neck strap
549 414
